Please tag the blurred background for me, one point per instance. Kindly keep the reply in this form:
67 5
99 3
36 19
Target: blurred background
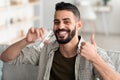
99 16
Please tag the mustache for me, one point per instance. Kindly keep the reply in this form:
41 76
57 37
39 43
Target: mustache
57 31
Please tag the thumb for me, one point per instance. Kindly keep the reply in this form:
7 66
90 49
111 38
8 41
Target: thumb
93 40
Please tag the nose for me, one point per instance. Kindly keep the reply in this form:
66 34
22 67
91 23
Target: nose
61 25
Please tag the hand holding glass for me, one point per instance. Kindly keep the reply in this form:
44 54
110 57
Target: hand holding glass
40 43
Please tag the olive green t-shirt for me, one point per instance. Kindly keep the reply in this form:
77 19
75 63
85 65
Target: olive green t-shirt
62 68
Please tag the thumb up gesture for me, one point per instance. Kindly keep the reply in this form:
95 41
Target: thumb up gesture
88 49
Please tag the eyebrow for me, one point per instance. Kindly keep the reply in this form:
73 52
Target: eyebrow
62 19
66 19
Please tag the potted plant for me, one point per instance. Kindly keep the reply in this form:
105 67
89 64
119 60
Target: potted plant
105 2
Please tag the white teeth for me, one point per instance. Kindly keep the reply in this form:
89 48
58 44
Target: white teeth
62 32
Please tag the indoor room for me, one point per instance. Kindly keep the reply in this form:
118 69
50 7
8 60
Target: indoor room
17 16
98 17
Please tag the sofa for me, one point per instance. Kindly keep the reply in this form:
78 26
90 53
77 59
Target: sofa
29 72
115 57
18 72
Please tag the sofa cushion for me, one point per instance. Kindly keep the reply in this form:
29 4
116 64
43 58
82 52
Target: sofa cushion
1 67
19 72
3 47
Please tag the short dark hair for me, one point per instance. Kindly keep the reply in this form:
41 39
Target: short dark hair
69 7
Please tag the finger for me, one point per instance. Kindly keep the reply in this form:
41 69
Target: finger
83 43
42 32
82 52
32 29
93 40
81 47
37 33
47 42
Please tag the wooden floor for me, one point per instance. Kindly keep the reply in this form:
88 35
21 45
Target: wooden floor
108 42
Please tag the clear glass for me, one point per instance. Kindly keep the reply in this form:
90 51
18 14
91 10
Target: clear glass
40 43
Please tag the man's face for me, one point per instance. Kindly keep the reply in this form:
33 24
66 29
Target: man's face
64 26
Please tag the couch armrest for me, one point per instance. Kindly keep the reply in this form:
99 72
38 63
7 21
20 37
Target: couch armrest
115 56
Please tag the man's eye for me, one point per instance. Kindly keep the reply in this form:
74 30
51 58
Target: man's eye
66 22
56 23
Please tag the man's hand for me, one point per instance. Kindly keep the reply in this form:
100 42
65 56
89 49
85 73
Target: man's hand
34 34
88 50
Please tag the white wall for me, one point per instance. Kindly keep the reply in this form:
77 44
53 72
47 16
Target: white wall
114 25
112 17
49 8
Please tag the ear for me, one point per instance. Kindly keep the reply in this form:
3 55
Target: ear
79 25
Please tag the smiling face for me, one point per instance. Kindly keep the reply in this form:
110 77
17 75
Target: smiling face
65 26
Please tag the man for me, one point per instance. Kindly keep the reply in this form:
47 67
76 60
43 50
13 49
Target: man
69 57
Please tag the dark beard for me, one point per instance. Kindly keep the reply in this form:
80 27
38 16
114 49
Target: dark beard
68 39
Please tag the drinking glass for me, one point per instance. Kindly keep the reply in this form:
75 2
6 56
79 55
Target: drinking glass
40 43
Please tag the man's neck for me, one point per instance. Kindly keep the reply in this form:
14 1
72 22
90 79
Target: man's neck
69 50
